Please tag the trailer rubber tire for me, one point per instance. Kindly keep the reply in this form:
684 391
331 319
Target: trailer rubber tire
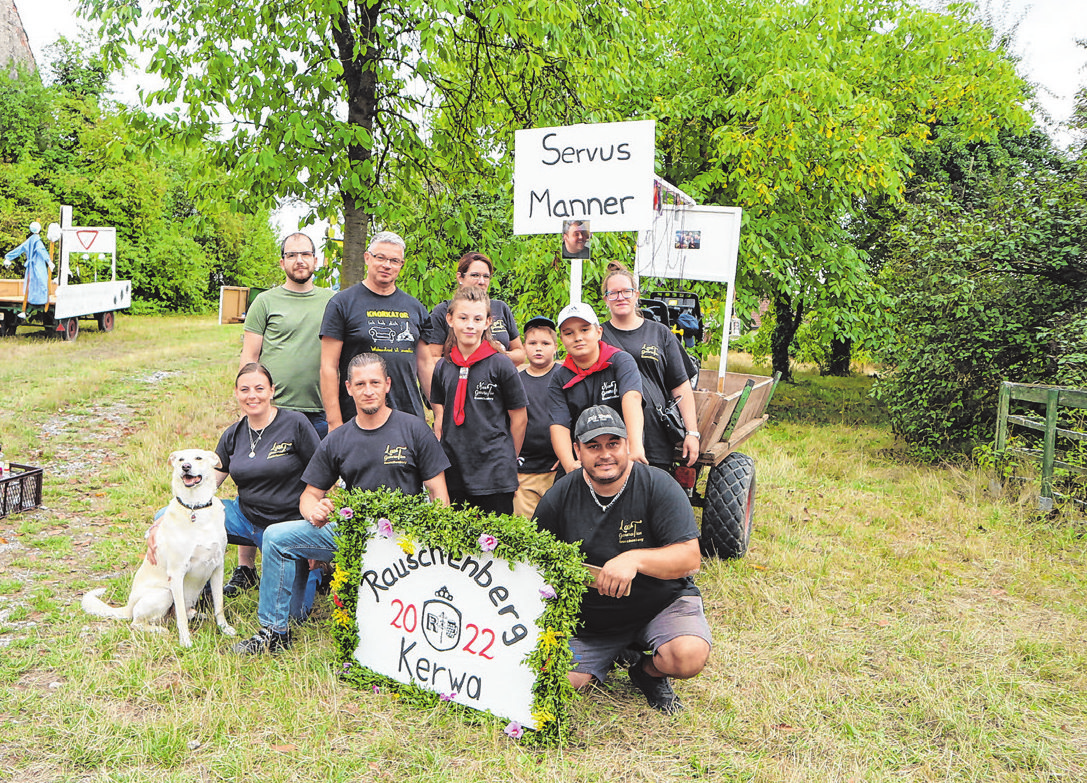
71 329
729 508
106 321
9 323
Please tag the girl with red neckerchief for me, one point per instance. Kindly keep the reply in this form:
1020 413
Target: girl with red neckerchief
479 407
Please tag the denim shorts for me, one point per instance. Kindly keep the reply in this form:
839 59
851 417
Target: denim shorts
683 617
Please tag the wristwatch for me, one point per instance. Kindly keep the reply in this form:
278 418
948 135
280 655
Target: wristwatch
696 433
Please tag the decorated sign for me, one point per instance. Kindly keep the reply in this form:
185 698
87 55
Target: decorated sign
602 173
460 626
454 606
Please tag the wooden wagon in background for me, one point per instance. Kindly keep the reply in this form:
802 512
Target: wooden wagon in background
71 297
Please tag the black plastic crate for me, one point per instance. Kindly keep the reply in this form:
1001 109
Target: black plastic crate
21 489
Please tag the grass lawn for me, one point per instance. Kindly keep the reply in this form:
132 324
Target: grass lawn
890 621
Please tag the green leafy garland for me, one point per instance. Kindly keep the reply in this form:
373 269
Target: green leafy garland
460 532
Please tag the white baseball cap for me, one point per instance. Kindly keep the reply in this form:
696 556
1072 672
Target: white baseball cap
578 310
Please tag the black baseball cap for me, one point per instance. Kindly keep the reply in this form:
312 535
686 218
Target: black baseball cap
599 420
539 320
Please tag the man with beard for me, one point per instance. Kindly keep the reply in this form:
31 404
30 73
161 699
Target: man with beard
575 239
282 332
637 531
378 447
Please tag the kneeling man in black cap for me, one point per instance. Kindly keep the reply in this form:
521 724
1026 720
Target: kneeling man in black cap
635 523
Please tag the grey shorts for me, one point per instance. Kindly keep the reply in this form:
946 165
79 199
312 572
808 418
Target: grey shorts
683 617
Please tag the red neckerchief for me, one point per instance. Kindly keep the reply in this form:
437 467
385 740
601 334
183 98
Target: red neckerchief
478 355
606 352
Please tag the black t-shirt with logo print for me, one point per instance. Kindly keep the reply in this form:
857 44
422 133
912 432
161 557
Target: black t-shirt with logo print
270 483
653 511
480 450
605 387
400 454
537 451
659 358
389 325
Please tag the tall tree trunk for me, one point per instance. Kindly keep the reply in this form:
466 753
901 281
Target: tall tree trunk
356 222
786 323
357 22
841 352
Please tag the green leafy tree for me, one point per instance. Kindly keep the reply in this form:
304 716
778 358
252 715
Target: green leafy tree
989 276
797 111
72 146
336 102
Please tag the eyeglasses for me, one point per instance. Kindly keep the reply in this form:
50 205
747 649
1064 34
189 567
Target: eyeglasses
295 256
622 293
479 276
386 259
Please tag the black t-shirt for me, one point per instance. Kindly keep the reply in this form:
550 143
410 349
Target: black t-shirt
503 325
605 387
400 454
480 450
269 484
387 325
537 452
657 353
653 511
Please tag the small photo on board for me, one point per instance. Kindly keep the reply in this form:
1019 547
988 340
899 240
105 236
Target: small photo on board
688 240
576 239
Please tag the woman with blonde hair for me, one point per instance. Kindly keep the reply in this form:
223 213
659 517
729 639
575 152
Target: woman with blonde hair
659 357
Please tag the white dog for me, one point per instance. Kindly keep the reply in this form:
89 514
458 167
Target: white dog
189 545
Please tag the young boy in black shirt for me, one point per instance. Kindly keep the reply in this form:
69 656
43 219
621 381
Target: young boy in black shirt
536 467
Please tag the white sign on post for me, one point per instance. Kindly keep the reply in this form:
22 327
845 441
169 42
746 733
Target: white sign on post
462 627
694 243
691 243
602 173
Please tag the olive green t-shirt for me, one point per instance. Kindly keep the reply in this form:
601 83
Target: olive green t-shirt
290 324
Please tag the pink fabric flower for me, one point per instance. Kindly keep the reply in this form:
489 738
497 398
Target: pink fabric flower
487 542
514 729
384 528
346 513
547 592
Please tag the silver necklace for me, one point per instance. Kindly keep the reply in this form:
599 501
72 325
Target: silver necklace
614 497
254 443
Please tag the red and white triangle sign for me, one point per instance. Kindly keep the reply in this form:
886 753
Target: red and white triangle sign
86 237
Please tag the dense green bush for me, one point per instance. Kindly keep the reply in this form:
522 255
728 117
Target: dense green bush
63 143
991 285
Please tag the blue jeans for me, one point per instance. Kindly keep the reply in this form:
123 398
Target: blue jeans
319 422
285 574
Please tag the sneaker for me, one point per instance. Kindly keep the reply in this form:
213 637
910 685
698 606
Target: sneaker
264 640
629 657
244 578
658 690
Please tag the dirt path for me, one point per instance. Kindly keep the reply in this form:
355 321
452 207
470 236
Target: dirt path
45 547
